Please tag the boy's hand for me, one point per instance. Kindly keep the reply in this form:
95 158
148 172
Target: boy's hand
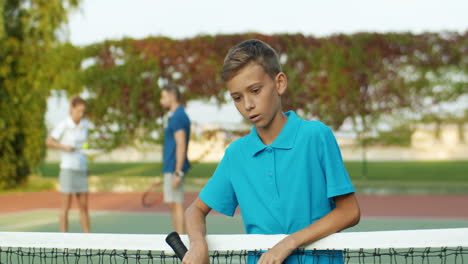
277 254
197 254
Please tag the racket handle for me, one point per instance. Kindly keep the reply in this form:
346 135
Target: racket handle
174 241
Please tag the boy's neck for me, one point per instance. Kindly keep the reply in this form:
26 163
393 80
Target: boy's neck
269 133
76 122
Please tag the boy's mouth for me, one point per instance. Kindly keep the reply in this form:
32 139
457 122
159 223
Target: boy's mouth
254 118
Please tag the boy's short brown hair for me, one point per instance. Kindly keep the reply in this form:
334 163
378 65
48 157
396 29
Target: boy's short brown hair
77 100
252 50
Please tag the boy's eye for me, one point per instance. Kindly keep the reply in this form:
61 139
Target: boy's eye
255 90
236 98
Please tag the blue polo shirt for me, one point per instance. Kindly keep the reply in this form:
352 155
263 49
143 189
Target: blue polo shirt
179 120
283 187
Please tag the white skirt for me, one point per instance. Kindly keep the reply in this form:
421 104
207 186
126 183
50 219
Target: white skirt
73 181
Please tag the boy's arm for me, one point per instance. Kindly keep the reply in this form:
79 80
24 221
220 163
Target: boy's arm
195 217
346 214
53 143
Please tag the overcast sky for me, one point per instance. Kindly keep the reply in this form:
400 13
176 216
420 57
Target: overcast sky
97 20
102 19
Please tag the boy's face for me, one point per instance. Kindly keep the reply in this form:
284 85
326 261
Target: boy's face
256 96
77 112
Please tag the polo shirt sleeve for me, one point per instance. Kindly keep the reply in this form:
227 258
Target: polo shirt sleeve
337 178
219 193
177 122
58 131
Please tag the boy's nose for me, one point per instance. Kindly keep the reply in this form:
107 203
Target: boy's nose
248 104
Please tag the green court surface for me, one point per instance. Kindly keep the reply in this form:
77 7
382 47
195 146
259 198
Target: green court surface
157 223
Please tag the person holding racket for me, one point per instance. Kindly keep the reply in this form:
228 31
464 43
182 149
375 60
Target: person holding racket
287 176
175 161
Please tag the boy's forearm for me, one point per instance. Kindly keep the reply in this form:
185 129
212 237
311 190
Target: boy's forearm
334 222
195 222
196 225
338 219
52 143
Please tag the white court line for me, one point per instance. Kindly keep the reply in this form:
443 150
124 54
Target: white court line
43 221
31 224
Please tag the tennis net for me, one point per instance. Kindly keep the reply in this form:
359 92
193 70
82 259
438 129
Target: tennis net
409 246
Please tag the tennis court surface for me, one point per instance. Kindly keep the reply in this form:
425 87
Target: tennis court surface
412 206
439 235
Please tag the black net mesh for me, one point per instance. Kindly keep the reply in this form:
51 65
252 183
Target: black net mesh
443 255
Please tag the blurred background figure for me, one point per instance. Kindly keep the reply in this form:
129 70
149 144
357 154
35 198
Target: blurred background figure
175 161
70 136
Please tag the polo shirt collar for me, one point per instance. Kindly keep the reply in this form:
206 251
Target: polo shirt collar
285 139
71 123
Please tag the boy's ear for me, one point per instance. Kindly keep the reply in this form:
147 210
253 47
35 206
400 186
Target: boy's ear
281 83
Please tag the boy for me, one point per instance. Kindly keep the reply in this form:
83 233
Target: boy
69 136
287 175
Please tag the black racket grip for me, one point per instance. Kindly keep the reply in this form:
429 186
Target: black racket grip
174 241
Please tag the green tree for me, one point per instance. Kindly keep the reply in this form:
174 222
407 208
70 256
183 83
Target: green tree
28 71
358 77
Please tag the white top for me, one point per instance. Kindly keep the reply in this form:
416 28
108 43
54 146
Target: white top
70 134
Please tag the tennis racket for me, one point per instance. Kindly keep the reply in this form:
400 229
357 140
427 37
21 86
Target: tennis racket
153 195
174 241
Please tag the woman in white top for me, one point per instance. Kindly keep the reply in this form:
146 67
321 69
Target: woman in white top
69 136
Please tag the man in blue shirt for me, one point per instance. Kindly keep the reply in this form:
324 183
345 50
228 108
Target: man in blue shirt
287 176
175 161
